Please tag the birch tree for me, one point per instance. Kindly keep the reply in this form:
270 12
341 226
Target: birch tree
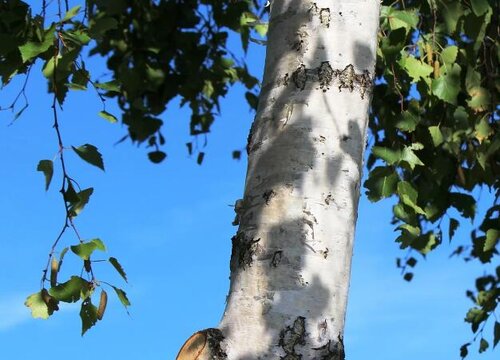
291 256
431 71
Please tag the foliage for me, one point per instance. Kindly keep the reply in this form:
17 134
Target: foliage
434 118
435 127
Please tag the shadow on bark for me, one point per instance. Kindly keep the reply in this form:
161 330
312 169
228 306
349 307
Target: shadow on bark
272 174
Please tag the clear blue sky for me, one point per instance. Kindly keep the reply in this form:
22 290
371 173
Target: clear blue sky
170 226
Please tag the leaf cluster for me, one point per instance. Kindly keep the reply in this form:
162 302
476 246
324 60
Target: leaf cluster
434 124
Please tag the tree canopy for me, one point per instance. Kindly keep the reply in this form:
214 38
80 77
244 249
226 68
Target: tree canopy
434 140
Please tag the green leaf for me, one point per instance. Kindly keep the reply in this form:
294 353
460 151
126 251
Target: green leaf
400 18
475 317
437 136
496 334
261 28
77 37
453 227
71 13
90 154
47 167
411 262
425 243
447 86
83 198
491 240
201 156
408 121
408 276
408 196
38 307
404 213
464 351
381 183
449 54
99 26
388 155
72 290
236 155
106 115
85 250
157 156
118 268
88 314
464 203
416 69
112 86
483 345
480 98
32 49
122 296
479 7
408 156
252 100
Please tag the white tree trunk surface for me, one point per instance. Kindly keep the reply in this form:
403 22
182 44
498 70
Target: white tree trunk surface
291 258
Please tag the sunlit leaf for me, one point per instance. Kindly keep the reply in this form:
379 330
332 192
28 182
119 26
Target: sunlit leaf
85 249
71 290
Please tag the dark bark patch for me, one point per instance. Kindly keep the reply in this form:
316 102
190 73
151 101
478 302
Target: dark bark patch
292 336
299 77
325 75
276 259
268 195
332 350
244 248
324 17
214 339
322 13
348 79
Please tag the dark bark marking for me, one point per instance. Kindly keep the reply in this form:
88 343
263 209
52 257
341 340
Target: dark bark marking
332 350
299 77
349 79
268 195
292 336
244 248
214 339
323 14
276 258
346 78
325 75
364 81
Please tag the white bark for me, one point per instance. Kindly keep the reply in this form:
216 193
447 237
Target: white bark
291 257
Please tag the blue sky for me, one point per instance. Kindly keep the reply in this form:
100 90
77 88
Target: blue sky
170 226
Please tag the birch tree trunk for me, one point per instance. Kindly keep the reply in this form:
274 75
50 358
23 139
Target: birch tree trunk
291 258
